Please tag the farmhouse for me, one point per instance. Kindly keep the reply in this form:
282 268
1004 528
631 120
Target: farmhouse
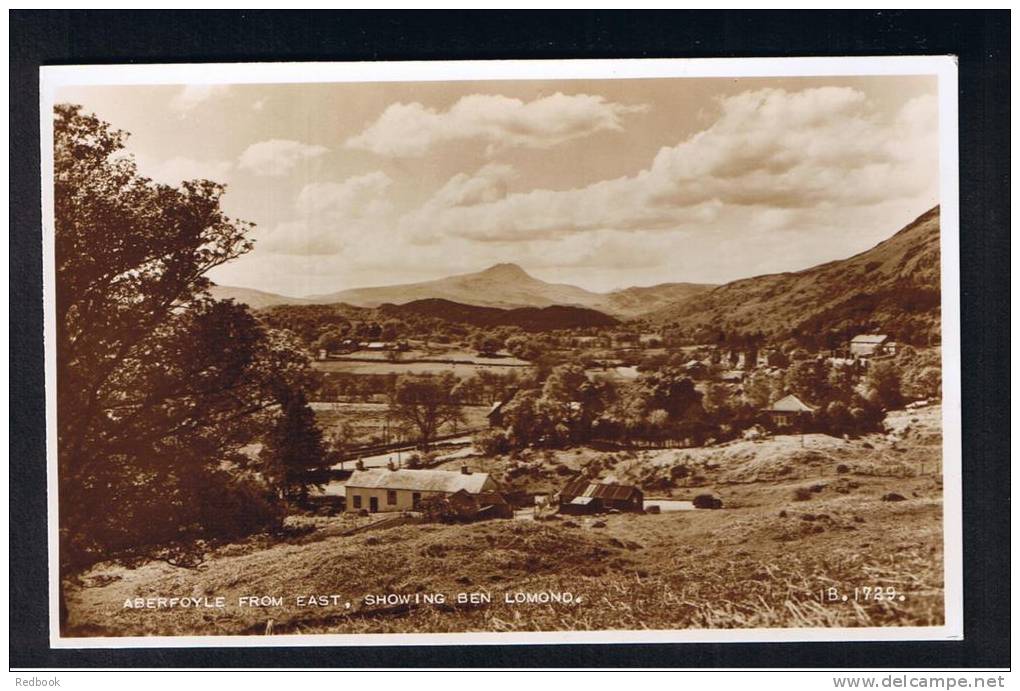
383 489
586 496
869 345
788 412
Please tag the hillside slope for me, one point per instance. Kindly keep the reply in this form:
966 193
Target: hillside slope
634 302
892 288
255 299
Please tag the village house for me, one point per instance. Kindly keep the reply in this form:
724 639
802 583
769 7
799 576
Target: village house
590 496
399 489
871 345
788 413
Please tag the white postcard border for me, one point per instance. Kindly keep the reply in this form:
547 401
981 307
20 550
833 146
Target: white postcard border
52 78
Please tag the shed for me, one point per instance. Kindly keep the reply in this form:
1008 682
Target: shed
590 496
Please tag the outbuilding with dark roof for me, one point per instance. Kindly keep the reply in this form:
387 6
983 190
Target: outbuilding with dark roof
590 496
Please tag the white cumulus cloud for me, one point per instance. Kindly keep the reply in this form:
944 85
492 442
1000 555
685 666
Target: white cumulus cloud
333 217
768 149
173 171
411 129
190 96
277 157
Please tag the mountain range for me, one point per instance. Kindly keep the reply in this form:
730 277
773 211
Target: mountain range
894 288
505 286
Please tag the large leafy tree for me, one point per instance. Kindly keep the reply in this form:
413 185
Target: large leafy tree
159 387
671 390
426 403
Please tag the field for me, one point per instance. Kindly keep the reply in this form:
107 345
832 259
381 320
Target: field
796 521
462 363
371 422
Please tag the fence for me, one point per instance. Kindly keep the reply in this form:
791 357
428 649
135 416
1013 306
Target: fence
361 452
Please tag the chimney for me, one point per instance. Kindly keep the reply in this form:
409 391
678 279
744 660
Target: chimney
360 465
465 470
389 464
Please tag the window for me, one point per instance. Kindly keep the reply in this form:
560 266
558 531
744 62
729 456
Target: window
357 501
391 497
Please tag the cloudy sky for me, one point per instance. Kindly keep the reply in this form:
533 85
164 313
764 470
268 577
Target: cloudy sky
603 184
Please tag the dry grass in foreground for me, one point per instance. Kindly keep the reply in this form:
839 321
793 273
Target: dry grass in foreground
763 565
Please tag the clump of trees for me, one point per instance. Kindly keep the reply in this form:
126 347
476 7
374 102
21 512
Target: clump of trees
160 387
425 404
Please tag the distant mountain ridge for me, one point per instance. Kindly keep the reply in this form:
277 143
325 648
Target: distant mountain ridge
892 288
504 286
256 299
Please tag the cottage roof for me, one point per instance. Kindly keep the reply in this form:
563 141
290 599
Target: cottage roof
870 339
418 480
600 490
791 404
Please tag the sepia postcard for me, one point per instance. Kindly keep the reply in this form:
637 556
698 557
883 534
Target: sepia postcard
502 352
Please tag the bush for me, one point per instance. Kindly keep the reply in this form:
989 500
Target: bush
491 442
678 472
707 501
802 494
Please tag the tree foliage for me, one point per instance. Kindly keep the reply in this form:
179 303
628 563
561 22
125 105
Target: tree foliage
426 403
294 448
159 386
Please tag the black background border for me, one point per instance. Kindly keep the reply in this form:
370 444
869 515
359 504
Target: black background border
979 38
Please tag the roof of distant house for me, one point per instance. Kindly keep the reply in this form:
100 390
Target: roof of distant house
870 338
418 480
790 404
601 490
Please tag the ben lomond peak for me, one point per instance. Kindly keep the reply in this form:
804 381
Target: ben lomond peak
506 270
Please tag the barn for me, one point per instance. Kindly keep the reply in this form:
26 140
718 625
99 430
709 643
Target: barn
401 489
590 496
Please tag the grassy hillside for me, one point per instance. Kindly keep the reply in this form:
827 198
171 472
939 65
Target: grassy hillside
893 288
760 561
637 301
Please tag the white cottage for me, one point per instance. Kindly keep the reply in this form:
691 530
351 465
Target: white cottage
382 489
